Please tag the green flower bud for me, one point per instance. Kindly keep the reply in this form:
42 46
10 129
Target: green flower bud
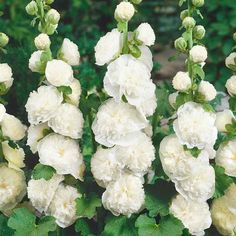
32 8
49 1
189 22
53 17
199 32
234 37
181 44
3 40
198 3
183 14
50 29
136 1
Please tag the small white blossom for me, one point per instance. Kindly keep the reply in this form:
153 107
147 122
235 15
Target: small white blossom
2 112
231 85
146 34
198 54
182 82
124 11
207 90
223 118
6 75
74 97
35 61
42 42
230 60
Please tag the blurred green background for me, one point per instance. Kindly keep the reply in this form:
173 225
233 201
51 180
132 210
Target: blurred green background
84 21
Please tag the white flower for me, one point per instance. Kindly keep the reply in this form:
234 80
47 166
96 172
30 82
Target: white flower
172 99
137 157
195 216
14 156
146 34
225 157
42 42
129 77
223 118
63 154
182 82
207 90
6 75
194 126
230 60
146 56
223 219
42 199
231 85
42 105
68 121
2 112
230 198
198 54
108 47
148 107
124 196
70 53
35 62
59 73
74 97
35 133
124 11
105 166
63 205
12 127
117 123
200 184
12 187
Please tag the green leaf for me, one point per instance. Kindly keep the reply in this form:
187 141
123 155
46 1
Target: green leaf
232 103
168 226
222 181
82 227
23 222
87 204
198 71
66 90
43 172
183 98
120 226
4 229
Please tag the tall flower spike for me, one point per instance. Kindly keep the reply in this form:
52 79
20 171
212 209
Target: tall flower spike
121 120
56 123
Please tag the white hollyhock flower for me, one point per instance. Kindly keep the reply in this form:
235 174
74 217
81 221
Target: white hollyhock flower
70 53
42 105
14 156
172 99
12 127
129 77
182 82
124 11
2 112
108 47
196 217
63 205
105 166
200 184
223 118
137 157
6 75
68 121
74 97
42 199
63 154
12 187
230 60
225 157
35 133
207 90
148 107
34 61
42 42
230 198
231 85
198 54
59 73
124 196
223 219
194 126
146 56
146 34
117 123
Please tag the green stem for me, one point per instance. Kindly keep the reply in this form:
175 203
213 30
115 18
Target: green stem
58 231
126 38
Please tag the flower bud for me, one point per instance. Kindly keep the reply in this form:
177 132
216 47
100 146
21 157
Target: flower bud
181 44
32 8
183 14
199 32
189 22
53 17
224 118
124 11
3 40
231 85
198 54
198 3
207 90
42 42
182 82
234 37
49 1
230 60
49 29
136 1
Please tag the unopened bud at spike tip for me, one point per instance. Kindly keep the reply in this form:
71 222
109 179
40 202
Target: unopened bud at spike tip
3 40
189 22
32 8
198 3
181 44
199 32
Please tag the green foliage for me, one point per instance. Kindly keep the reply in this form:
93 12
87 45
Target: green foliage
43 172
82 227
4 229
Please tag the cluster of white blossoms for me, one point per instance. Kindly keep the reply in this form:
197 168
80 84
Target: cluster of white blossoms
57 199
56 124
121 121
